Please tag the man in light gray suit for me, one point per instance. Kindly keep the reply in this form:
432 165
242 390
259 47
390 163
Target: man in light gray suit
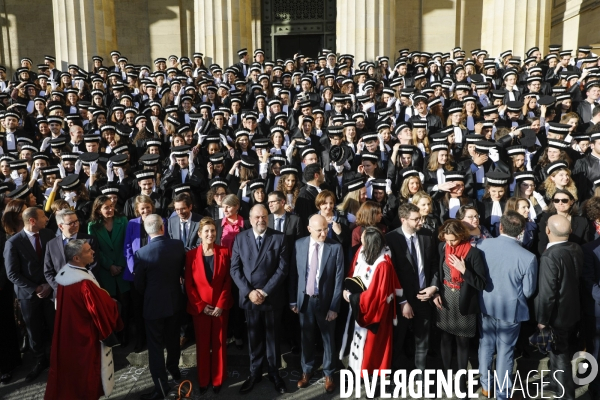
512 279
316 276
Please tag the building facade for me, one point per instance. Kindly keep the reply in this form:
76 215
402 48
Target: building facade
76 30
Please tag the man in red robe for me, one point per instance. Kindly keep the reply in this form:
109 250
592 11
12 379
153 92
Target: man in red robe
81 365
374 312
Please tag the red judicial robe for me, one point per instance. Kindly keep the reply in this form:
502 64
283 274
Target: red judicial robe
376 312
80 365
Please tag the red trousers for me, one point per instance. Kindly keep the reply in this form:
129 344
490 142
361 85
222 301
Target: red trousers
211 333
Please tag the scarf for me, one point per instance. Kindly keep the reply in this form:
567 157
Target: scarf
459 251
496 212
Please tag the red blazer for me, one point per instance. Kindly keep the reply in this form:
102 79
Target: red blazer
200 292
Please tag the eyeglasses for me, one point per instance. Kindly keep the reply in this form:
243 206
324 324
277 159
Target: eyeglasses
528 185
472 217
273 201
556 201
220 194
73 223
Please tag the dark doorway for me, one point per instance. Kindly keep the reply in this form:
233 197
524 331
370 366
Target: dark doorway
292 25
287 46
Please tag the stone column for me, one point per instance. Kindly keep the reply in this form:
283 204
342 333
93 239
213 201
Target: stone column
515 25
366 28
82 29
222 27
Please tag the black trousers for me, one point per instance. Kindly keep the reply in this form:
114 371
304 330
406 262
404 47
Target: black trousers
263 340
421 326
137 307
560 363
163 333
10 356
38 315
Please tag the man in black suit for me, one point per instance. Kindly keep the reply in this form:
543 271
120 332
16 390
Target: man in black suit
305 203
54 259
282 221
258 267
24 261
557 303
414 258
590 302
185 225
291 226
158 269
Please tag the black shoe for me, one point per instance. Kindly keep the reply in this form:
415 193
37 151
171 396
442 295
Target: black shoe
249 383
153 395
6 378
175 374
36 371
25 344
217 389
278 382
239 343
202 390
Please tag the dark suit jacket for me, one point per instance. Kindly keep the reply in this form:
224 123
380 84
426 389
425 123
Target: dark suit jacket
590 298
305 203
54 258
408 274
292 228
175 230
23 267
331 275
265 269
474 280
557 302
158 267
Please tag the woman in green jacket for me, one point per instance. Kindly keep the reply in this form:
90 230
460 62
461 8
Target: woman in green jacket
109 229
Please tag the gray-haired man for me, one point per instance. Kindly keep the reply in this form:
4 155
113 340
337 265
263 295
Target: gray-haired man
54 259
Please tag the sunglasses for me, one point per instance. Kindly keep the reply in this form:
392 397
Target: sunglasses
556 201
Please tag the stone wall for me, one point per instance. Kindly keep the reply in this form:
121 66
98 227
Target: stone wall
74 30
27 30
575 22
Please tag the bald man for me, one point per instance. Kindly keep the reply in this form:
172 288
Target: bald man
316 277
557 302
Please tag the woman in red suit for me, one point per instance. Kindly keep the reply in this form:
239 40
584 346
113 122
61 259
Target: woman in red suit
208 286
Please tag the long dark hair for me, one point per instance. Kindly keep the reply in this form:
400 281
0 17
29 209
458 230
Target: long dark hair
96 217
374 242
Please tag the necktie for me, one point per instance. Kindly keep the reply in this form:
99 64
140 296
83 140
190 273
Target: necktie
38 246
413 253
415 258
259 242
312 272
184 233
278 227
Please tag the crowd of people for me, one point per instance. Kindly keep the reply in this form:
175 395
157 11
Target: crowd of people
387 210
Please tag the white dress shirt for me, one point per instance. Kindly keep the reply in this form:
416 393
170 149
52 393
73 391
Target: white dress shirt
311 251
31 237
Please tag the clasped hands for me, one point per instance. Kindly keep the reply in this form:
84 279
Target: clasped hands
256 297
213 311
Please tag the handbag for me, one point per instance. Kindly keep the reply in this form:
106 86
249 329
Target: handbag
176 393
